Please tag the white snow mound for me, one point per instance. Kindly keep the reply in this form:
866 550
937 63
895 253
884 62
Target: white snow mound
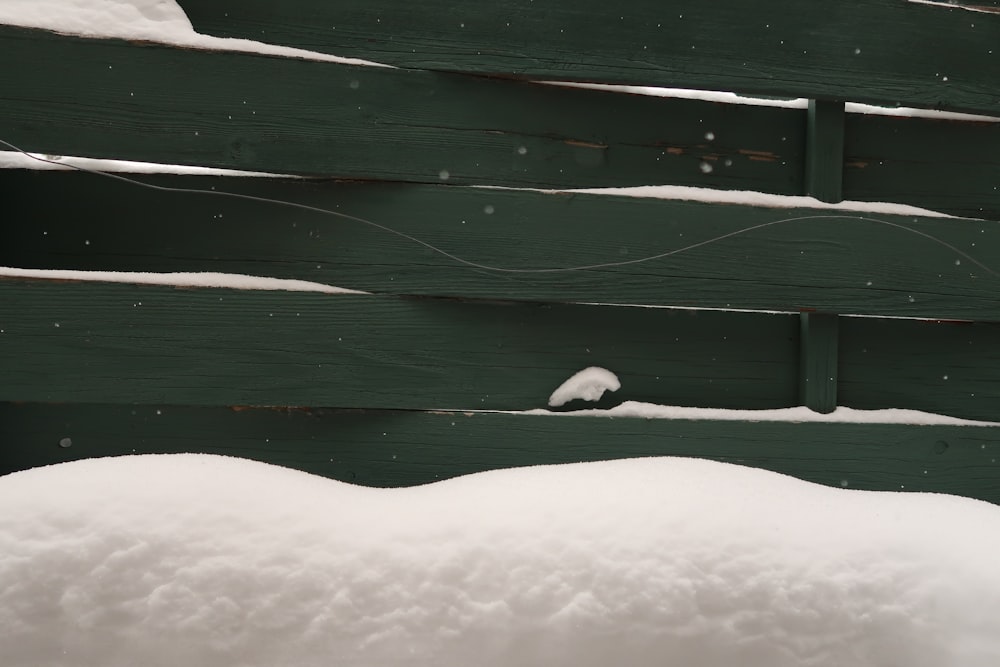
588 385
207 561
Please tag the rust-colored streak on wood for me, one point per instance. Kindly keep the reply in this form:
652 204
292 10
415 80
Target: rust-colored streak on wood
47 279
760 156
856 164
674 150
584 144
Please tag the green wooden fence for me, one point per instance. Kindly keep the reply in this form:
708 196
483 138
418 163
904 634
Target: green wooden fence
485 299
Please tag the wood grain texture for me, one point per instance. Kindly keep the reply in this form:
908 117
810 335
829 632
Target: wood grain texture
115 99
889 51
389 448
843 263
944 165
130 344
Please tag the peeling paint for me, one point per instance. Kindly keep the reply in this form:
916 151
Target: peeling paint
583 144
760 156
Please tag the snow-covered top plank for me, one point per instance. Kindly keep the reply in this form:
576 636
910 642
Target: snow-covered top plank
932 55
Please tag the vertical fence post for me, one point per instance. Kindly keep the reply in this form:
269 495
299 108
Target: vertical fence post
818 361
825 150
824 181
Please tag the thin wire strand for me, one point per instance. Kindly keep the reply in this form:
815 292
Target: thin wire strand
500 269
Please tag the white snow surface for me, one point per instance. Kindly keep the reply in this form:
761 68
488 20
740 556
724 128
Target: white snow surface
740 197
797 414
588 385
726 97
197 279
207 561
969 5
161 21
760 199
14 160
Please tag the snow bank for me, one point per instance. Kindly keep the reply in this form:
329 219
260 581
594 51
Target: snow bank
213 562
588 385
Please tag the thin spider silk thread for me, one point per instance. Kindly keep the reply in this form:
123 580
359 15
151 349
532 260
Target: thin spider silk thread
500 269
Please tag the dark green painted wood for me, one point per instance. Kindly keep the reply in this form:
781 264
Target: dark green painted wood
825 150
837 262
943 165
386 448
818 361
122 343
109 98
130 344
932 366
413 125
889 51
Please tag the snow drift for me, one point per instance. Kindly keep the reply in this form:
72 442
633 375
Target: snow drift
209 561
588 385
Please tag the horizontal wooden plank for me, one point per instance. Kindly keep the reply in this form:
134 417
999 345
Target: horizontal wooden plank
180 106
737 257
950 367
943 165
80 342
116 99
131 344
862 50
387 448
